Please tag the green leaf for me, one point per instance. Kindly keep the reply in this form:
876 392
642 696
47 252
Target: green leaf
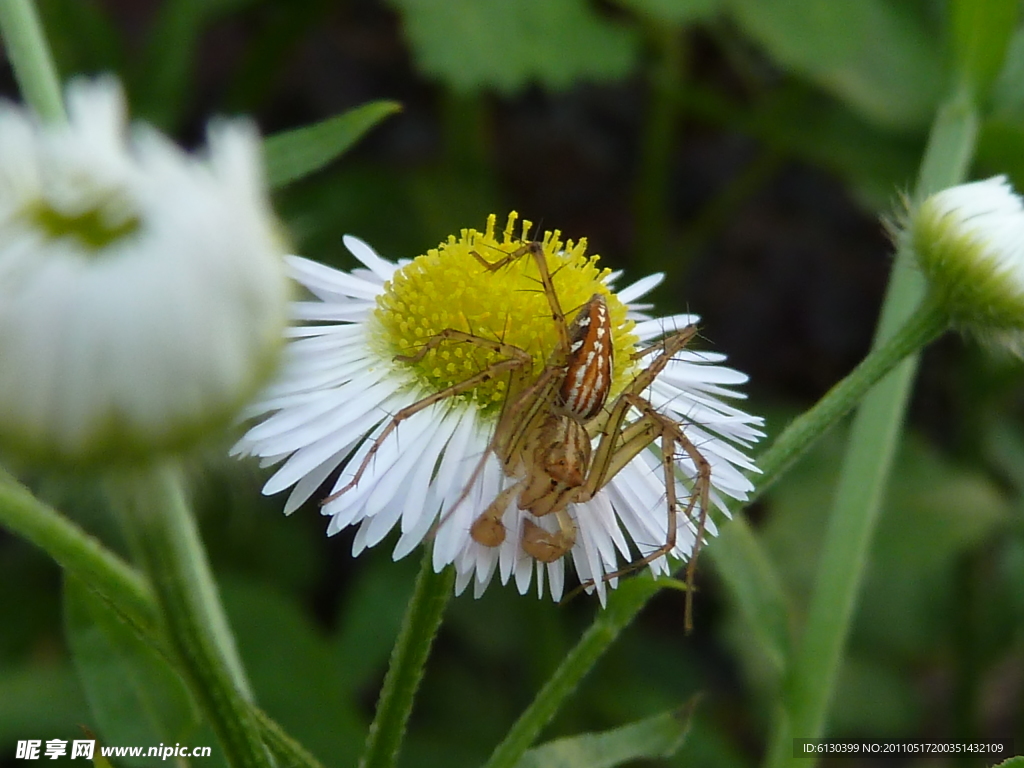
1013 762
135 695
756 588
875 696
623 605
472 45
369 618
1008 90
658 736
674 11
981 33
927 526
922 530
293 668
872 54
293 154
37 699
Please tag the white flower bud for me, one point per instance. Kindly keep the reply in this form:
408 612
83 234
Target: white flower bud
142 290
969 242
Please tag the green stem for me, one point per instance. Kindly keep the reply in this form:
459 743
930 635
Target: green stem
866 468
161 528
78 553
114 580
30 57
927 323
405 670
623 606
289 752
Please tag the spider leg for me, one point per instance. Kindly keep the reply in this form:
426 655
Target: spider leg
513 426
488 529
672 435
515 359
621 443
537 251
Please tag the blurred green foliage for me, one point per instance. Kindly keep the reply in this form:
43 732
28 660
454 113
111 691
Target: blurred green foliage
844 88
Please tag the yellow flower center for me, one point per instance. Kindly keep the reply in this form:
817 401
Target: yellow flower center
449 287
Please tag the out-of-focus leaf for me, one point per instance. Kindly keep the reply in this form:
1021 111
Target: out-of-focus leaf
294 672
1012 569
293 154
981 33
658 736
874 696
1013 762
39 701
476 44
244 531
874 55
369 620
1007 94
874 164
269 52
937 511
136 697
755 587
674 11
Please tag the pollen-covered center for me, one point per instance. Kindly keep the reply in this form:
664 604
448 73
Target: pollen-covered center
449 287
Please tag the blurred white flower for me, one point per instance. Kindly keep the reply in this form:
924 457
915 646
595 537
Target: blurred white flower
341 382
142 291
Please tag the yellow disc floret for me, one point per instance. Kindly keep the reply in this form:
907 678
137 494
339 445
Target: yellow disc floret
450 287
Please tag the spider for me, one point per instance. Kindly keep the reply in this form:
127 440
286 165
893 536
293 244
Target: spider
547 428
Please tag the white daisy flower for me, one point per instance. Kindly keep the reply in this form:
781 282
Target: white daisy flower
969 241
434 475
142 291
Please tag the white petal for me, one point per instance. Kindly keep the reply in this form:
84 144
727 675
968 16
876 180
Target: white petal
631 292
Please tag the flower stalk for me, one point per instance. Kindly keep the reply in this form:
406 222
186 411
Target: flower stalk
31 59
163 534
865 471
623 606
405 670
78 553
114 580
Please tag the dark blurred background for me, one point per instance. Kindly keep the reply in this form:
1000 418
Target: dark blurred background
746 148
